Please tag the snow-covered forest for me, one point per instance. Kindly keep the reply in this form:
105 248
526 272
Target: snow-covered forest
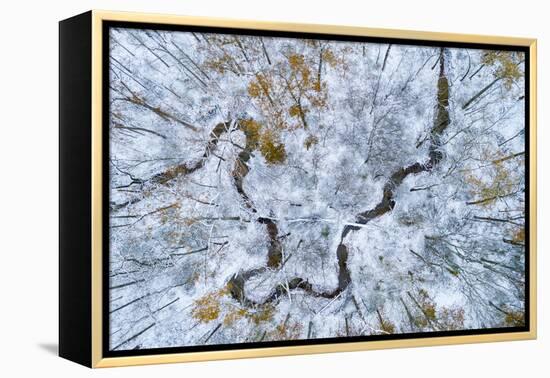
266 188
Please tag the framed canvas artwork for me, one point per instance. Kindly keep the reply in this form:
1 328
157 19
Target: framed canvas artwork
236 189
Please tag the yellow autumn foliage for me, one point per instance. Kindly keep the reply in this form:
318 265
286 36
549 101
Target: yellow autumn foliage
519 235
451 318
290 86
515 319
387 326
252 130
208 307
296 61
427 306
261 86
285 331
500 183
506 65
329 57
294 111
257 316
234 316
264 314
271 148
310 141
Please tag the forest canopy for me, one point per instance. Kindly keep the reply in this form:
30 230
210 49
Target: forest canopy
267 188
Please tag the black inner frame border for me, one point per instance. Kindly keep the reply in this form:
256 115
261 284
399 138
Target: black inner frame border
107 25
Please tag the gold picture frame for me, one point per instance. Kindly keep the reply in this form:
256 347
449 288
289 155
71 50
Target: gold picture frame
96 262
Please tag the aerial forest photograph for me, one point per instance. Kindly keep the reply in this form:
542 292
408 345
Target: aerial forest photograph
268 188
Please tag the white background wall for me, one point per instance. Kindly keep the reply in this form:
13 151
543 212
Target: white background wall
29 174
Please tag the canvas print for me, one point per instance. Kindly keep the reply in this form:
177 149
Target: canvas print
277 188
